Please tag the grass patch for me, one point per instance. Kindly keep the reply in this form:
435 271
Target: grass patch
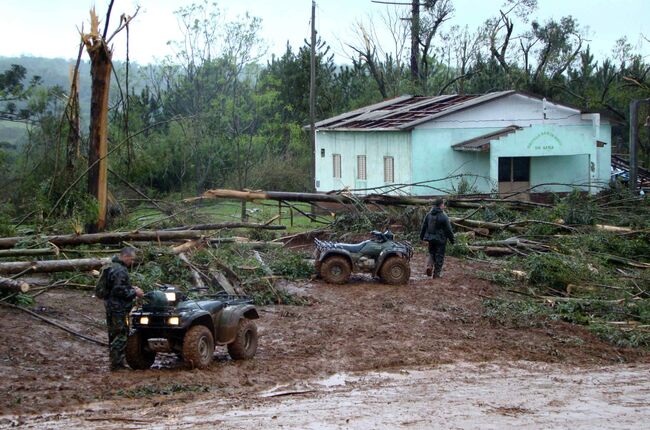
155 390
515 314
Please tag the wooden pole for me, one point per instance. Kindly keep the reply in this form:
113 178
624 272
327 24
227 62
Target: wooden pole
312 95
634 110
415 41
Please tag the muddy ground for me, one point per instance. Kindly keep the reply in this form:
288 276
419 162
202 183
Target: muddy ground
361 327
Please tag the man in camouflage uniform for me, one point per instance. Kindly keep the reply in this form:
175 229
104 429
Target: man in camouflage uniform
436 229
118 303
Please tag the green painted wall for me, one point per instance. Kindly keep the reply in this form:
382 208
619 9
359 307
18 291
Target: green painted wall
434 160
374 145
561 154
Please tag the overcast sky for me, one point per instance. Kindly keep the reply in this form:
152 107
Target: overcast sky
48 28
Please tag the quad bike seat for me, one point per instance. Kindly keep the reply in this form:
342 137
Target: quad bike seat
382 237
352 247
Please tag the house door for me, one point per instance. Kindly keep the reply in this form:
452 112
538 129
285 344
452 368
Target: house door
514 176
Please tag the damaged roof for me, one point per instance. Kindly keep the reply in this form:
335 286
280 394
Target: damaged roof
405 112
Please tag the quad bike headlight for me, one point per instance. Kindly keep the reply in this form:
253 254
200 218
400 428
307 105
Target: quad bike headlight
174 320
171 297
144 320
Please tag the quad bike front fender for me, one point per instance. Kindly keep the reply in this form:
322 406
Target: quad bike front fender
384 255
229 321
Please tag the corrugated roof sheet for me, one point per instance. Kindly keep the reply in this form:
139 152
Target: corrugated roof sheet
403 113
482 143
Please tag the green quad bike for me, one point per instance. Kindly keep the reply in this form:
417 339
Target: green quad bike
168 322
382 256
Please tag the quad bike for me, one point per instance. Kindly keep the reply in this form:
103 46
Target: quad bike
167 321
382 256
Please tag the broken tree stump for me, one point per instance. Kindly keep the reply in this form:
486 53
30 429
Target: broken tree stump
14 286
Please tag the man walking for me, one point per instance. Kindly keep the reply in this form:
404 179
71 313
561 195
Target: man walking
436 229
118 303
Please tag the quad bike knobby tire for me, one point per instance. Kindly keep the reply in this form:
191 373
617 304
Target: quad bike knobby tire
245 343
137 357
198 347
335 270
395 271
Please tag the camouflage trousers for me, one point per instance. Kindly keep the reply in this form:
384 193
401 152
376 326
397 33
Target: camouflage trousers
436 257
118 332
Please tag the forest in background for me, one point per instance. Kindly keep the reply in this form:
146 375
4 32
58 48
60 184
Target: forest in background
213 114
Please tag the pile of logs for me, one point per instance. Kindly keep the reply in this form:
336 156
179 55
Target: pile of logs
188 236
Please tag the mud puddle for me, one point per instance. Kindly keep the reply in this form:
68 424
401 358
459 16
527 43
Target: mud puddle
460 395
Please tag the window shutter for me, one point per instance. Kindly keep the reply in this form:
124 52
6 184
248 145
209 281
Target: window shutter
361 167
389 169
336 165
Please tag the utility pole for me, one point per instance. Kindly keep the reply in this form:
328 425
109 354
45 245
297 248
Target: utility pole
634 137
312 96
632 174
415 34
415 40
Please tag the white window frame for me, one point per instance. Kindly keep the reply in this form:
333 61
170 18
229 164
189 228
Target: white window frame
336 166
361 168
389 169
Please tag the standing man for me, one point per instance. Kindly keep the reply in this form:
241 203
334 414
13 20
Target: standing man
118 303
436 229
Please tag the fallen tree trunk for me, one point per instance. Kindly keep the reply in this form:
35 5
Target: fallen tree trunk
49 266
225 225
108 238
515 242
348 198
485 224
28 252
190 232
13 285
494 251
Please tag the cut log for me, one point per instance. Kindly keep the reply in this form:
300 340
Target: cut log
242 241
14 286
48 266
492 250
613 228
116 237
108 238
516 242
28 252
187 246
476 230
225 225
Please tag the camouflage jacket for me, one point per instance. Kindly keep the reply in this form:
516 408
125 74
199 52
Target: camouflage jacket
436 227
121 295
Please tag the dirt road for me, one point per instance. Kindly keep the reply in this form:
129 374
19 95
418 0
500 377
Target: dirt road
362 327
460 395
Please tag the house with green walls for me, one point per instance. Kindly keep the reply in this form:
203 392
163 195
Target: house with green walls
502 142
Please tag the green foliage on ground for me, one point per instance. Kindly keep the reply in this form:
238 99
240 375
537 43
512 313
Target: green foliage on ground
166 390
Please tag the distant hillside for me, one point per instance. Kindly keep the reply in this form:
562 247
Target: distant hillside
56 72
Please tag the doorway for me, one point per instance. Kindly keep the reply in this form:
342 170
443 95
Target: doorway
514 177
